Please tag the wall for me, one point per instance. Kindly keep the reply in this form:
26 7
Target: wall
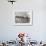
9 31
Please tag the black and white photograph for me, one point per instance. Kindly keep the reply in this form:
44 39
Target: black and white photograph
23 18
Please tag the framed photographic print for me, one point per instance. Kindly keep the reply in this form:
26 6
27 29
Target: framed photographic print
23 18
